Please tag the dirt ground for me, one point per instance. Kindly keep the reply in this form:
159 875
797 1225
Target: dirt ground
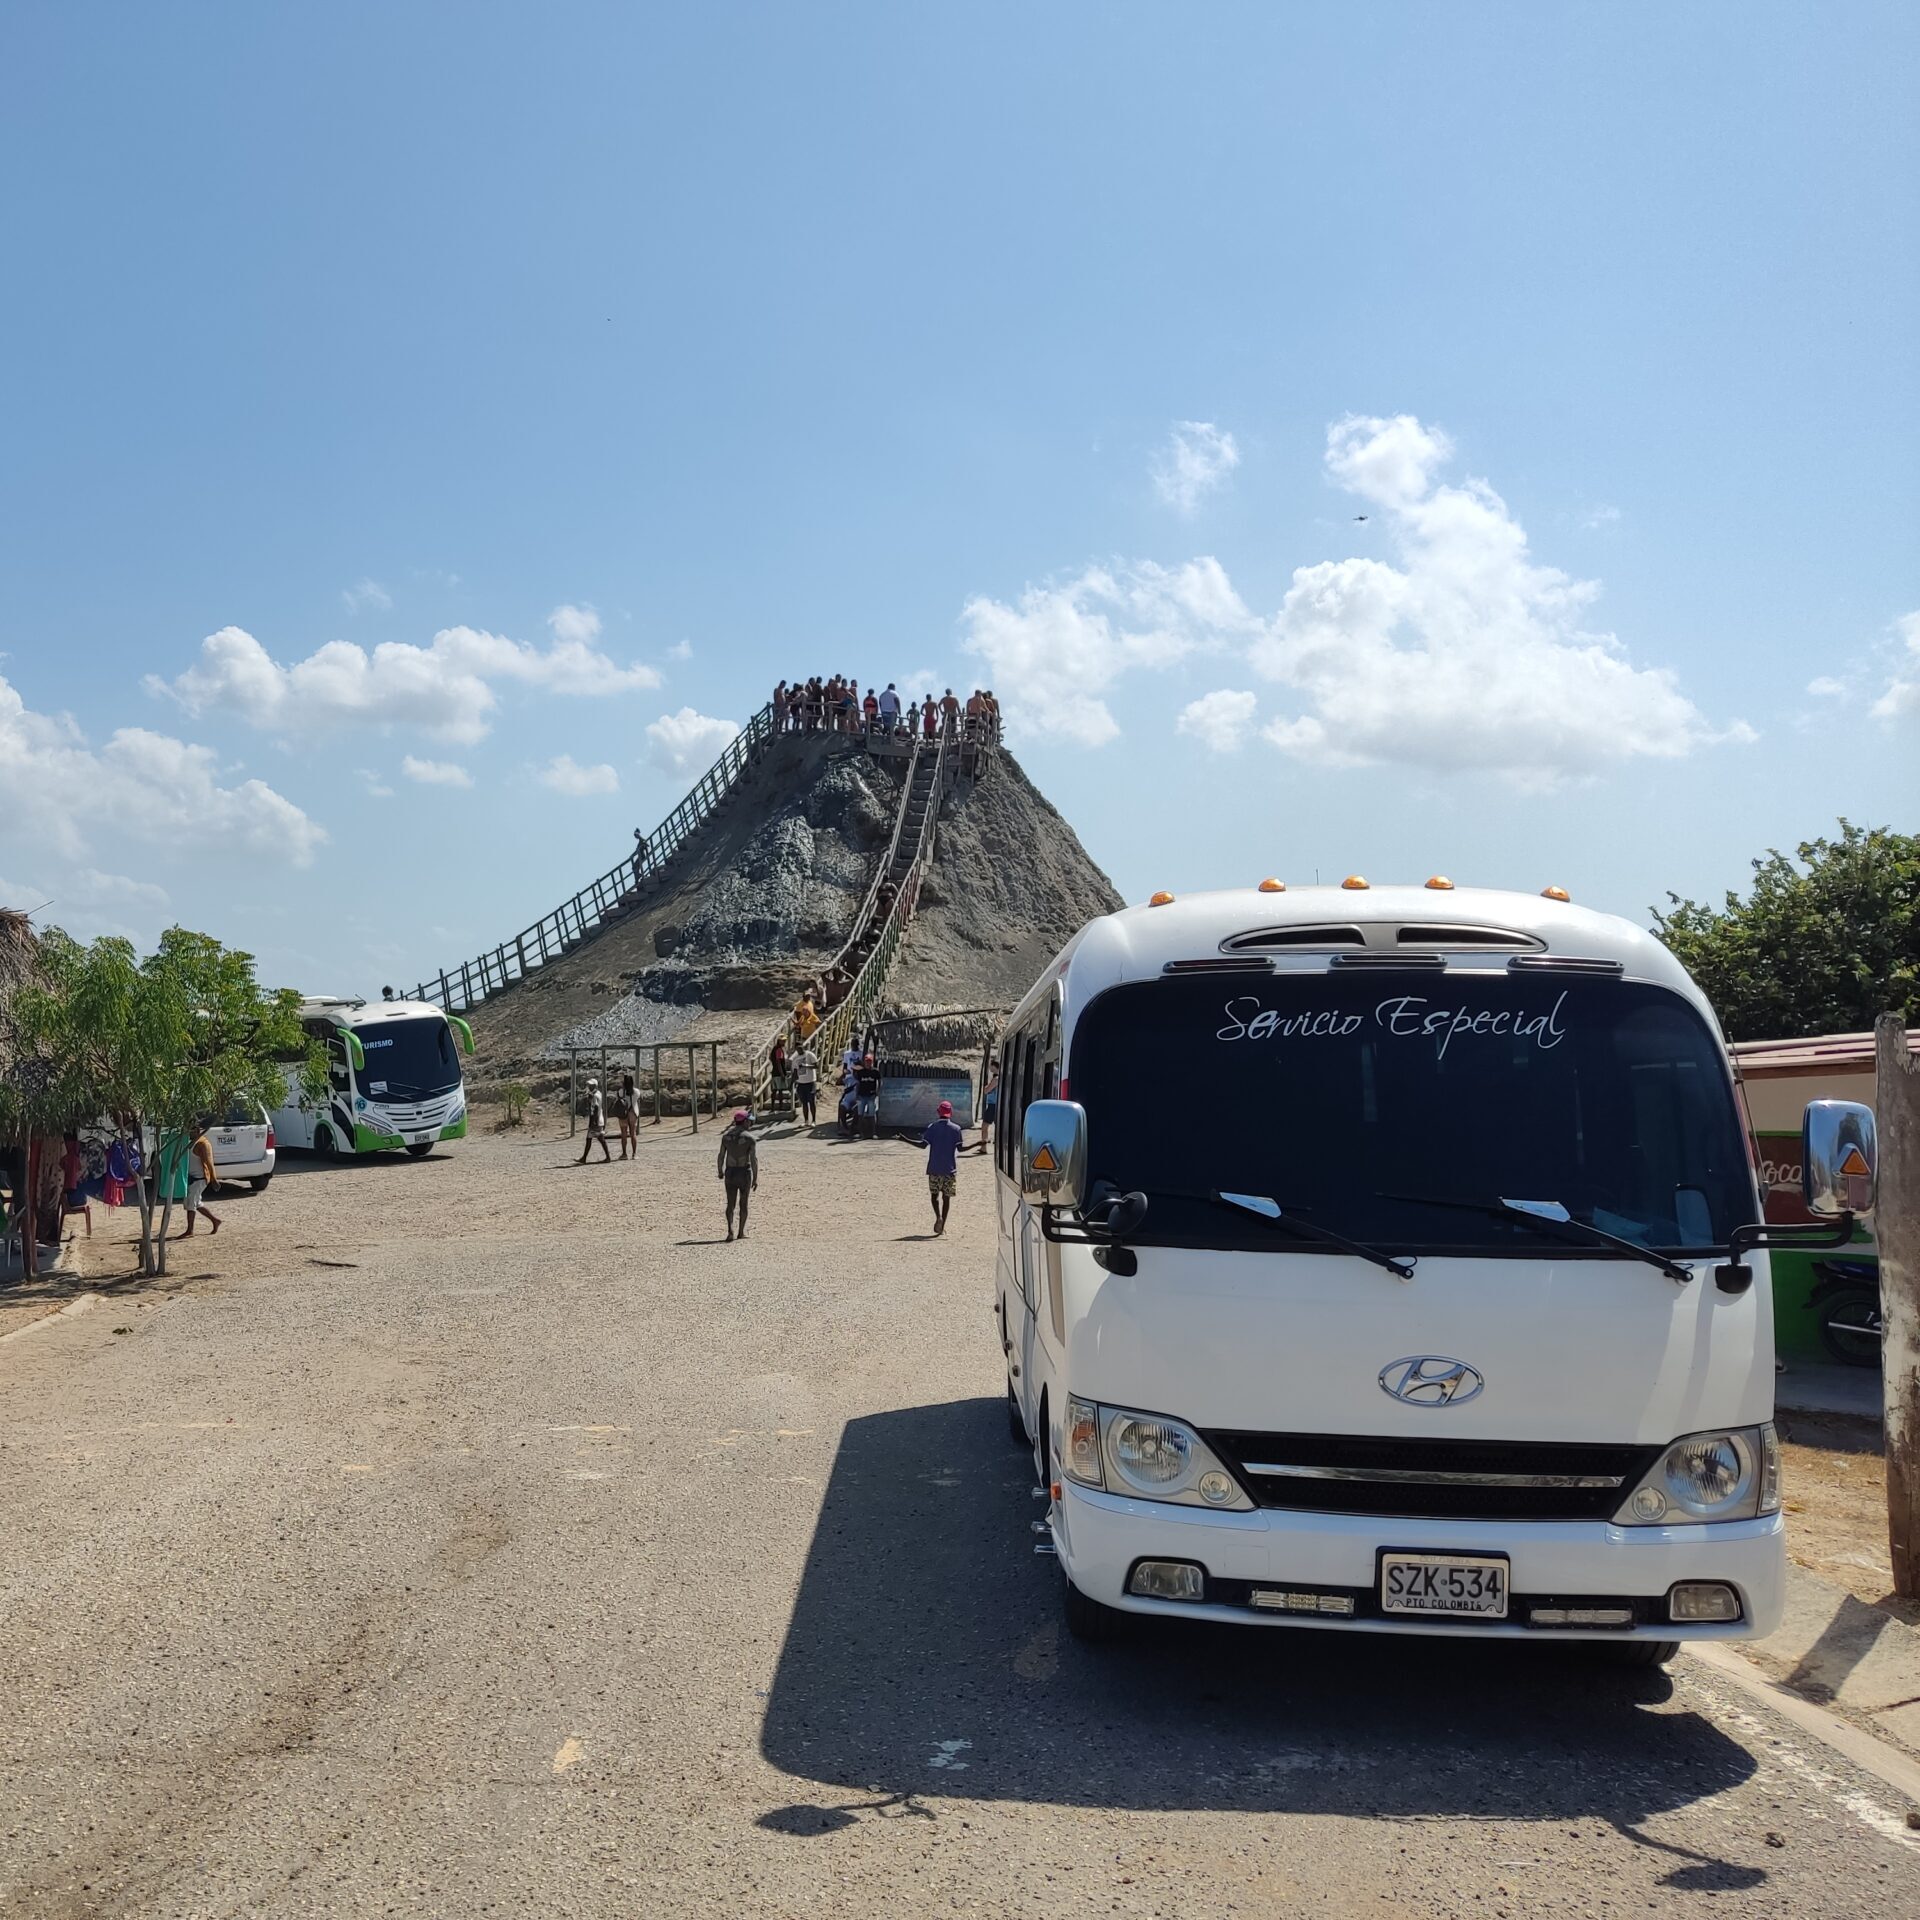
1835 1479
1835 1474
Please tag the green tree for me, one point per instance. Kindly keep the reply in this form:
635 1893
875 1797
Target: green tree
1824 943
164 1044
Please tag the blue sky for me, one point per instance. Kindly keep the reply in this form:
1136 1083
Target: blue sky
646 357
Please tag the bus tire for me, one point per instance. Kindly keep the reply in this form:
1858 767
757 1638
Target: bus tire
1634 1656
1087 1620
260 1185
1016 1421
420 1148
323 1142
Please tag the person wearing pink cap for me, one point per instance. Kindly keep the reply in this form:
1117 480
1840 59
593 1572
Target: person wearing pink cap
739 1168
942 1142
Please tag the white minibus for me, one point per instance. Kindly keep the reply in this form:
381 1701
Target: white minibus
393 1078
1390 1260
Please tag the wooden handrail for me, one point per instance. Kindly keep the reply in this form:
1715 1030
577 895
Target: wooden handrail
576 919
830 1037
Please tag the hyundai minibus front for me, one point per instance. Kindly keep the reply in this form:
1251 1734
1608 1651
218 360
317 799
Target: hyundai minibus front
1392 1271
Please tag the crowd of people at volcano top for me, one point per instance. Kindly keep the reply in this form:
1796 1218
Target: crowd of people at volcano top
837 705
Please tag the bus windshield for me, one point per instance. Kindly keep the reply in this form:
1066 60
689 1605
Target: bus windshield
1401 1109
408 1059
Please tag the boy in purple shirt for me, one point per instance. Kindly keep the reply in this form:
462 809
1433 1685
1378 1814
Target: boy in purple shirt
942 1142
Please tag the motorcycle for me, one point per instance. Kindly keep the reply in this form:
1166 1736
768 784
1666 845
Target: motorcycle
1847 1300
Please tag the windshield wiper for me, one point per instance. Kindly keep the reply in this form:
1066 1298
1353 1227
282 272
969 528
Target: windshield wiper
1544 1215
1264 1207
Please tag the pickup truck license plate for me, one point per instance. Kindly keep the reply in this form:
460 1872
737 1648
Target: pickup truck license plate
1443 1584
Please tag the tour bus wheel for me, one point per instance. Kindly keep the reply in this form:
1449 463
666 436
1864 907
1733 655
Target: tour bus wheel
420 1148
1016 1420
1087 1620
323 1142
1635 1656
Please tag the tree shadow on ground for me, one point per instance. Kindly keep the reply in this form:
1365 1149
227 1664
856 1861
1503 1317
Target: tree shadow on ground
926 1654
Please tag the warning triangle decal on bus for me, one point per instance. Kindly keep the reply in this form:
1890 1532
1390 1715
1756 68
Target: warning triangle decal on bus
1044 1162
1855 1163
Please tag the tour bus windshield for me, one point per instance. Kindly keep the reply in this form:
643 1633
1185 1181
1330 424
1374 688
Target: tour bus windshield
408 1059
1401 1109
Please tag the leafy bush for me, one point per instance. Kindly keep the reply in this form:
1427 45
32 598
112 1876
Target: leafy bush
1824 943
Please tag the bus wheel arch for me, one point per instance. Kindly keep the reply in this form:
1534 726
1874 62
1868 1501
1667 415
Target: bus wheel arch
323 1141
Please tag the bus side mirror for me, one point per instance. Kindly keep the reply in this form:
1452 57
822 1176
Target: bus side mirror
1838 1156
1053 1152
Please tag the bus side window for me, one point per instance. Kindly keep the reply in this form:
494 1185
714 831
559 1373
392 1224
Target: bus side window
1013 1105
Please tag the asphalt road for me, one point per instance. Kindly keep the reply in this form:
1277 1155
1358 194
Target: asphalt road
477 1536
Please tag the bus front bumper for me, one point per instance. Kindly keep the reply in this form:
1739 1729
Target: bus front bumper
1323 1569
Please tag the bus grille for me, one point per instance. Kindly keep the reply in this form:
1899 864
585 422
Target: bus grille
1434 1479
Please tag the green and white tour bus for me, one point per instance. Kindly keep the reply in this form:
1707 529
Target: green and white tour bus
393 1078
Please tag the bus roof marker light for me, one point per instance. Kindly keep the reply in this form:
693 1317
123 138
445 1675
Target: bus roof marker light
1555 893
1440 884
1273 886
1161 900
1354 883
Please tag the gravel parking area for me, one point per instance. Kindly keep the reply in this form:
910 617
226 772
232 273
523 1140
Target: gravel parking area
481 1535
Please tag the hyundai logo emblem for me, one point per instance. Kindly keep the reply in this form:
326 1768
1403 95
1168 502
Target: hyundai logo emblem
1430 1380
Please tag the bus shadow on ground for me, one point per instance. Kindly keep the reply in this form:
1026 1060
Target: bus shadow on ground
926 1655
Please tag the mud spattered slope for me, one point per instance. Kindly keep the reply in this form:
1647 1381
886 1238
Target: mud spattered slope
1011 883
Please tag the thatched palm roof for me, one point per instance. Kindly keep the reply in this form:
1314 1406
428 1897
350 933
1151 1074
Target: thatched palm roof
19 964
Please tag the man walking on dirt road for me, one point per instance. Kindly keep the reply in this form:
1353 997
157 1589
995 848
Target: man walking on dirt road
200 1176
740 1168
942 1142
596 1125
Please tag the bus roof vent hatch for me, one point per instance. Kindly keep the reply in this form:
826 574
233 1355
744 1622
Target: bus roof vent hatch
1268 938
1430 935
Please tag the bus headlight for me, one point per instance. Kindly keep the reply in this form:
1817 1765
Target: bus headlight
1151 1454
1156 1458
1731 1474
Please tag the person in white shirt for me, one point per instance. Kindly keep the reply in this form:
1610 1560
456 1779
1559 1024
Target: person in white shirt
806 1081
890 707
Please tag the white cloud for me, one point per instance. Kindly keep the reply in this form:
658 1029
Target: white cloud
1219 720
579 625
1598 519
445 688
1055 652
88 903
1195 461
1901 700
683 742
1466 657
143 788
376 787
680 650
566 775
1827 688
435 773
368 594
1461 655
